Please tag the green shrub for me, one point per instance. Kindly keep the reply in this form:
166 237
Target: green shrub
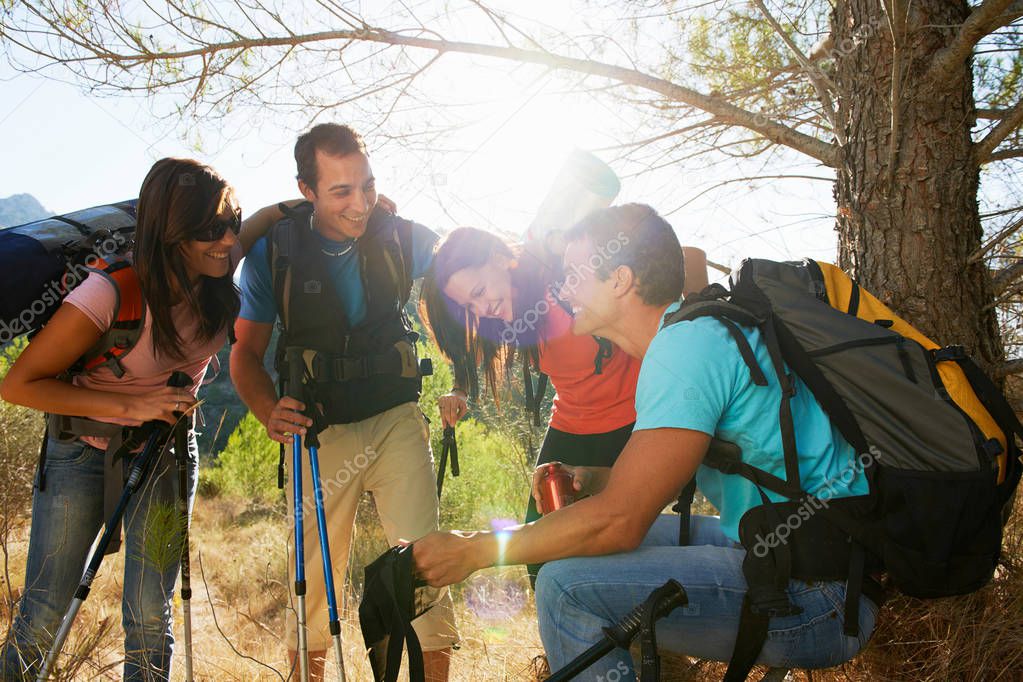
21 432
494 483
246 468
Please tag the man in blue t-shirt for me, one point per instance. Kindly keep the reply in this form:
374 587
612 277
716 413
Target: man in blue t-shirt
624 276
338 280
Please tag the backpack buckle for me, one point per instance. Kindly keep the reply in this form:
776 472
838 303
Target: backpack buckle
992 447
346 369
948 353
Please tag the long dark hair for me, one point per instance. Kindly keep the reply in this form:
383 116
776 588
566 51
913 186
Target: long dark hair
473 343
178 198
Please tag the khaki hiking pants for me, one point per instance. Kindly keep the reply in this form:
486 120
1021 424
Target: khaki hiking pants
389 455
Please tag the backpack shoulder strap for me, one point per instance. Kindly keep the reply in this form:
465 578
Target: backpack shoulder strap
129 321
729 315
278 254
398 253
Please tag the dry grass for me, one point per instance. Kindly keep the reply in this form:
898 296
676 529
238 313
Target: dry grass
240 588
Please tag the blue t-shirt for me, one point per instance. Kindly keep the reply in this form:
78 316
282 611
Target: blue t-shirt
693 377
258 304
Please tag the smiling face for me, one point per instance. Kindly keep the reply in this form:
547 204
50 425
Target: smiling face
593 301
486 290
212 259
344 196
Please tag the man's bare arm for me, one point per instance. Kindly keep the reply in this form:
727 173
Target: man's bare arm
281 417
652 468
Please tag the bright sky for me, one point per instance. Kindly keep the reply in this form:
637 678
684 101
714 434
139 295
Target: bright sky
72 150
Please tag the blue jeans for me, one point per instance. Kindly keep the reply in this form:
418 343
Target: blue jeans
577 597
66 518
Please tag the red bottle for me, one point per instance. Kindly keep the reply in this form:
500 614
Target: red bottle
555 488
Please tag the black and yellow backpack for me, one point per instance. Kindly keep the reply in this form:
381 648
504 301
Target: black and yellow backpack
935 437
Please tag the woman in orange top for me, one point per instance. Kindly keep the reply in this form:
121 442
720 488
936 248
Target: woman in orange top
485 302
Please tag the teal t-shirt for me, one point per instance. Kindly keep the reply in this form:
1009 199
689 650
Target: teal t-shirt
693 377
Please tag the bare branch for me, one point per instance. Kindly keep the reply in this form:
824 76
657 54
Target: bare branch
723 110
1006 277
984 149
726 112
1005 155
982 20
731 181
820 81
992 114
1002 235
719 267
1011 14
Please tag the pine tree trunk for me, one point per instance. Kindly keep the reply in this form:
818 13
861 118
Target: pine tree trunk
908 219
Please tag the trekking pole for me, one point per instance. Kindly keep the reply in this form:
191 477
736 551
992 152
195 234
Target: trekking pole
297 375
659 604
181 452
151 433
313 444
449 447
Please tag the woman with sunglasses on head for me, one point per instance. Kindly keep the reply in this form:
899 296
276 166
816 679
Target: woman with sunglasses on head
188 240
487 303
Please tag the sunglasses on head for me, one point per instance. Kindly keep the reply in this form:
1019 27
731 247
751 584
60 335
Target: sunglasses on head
216 230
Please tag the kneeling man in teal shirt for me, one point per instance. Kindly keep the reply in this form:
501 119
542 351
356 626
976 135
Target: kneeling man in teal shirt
608 551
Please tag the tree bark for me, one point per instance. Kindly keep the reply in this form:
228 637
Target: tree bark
907 180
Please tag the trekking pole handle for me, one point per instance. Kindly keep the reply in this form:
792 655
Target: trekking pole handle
451 447
295 361
665 598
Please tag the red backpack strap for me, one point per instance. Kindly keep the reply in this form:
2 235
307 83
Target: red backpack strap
129 320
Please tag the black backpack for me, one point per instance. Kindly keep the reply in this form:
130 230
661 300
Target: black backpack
934 436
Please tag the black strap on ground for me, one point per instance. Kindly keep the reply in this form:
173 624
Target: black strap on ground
386 613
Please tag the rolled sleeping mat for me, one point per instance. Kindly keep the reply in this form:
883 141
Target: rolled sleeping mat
583 185
695 267
41 261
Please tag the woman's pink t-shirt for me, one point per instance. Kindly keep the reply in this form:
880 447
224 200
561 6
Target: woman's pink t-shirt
144 368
